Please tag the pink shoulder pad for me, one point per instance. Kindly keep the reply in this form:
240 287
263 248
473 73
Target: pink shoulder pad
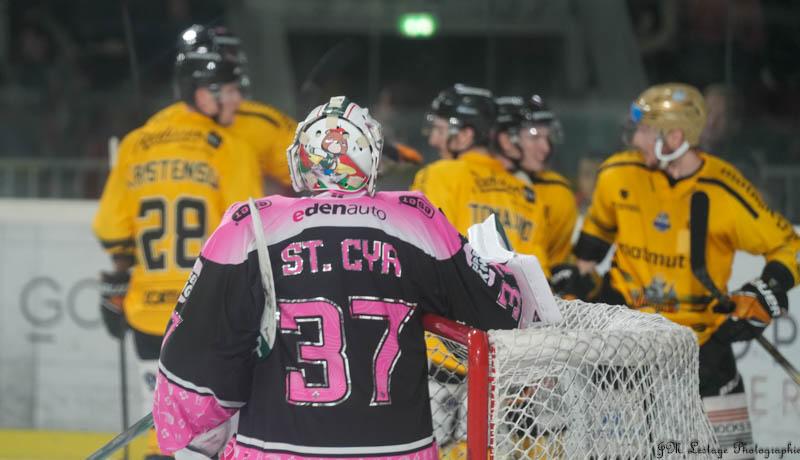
421 222
232 240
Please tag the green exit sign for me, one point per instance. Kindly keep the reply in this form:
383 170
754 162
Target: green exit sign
417 25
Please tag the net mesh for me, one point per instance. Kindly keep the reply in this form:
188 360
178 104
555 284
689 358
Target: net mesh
607 382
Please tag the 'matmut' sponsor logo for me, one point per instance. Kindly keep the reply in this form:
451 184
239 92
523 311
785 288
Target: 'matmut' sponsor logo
339 209
653 258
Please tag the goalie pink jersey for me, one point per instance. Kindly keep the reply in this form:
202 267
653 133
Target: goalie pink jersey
347 377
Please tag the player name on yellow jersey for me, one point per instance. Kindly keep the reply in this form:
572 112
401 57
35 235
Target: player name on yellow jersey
174 169
172 182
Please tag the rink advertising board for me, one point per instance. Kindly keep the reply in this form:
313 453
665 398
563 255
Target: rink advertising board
59 369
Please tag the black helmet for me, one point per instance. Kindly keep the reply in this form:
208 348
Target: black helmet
510 112
536 112
466 106
207 58
217 39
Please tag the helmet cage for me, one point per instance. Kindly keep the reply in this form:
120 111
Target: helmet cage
337 147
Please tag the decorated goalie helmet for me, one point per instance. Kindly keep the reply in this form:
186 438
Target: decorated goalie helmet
337 147
671 106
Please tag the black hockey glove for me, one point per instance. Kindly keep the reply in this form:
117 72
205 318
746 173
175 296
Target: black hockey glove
567 282
750 311
113 287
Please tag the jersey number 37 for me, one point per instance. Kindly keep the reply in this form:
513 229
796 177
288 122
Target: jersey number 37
329 347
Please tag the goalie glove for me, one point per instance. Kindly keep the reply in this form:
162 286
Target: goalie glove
568 282
751 310
113 287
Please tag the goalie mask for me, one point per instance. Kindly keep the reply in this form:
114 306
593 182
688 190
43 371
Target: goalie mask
337 147
667 107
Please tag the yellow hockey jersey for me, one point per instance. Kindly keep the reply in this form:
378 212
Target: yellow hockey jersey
269 132
559 213
173 180
473 186
647 216
266 130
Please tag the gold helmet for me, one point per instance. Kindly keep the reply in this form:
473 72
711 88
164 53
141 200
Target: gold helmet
672 106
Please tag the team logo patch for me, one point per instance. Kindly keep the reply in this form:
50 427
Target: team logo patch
187 289
658 294
530 195
661 222
416 202
244 210
214 139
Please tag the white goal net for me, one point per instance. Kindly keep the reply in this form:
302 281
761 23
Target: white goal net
605 383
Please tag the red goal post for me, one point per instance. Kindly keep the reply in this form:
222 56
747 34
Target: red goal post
476 343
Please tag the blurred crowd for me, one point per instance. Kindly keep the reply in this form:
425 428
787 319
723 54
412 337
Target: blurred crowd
66 80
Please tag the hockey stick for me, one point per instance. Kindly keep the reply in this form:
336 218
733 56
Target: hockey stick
123 378
332 61
124 438
269 319
133 61
113 151
778 356
698 231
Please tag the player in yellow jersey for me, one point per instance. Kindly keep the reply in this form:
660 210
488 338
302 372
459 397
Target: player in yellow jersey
267 130
172 182
471 181
527 131
669 252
